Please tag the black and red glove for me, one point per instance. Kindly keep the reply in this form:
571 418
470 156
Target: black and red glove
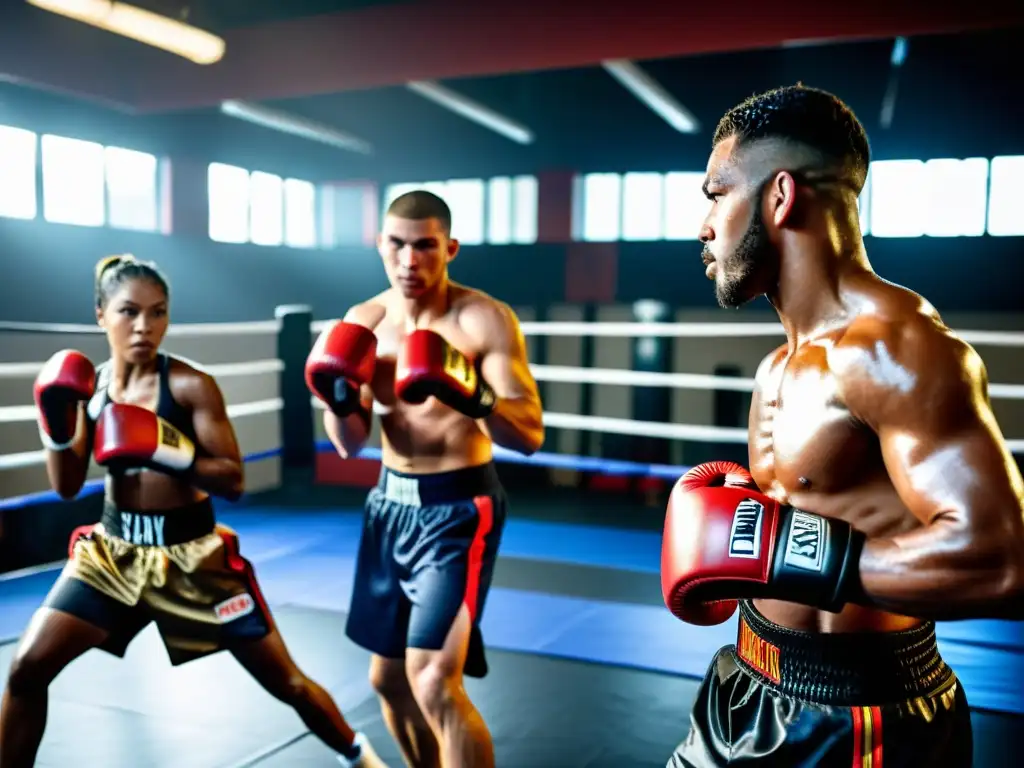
428 366
66 379
725 541
342 360
131 437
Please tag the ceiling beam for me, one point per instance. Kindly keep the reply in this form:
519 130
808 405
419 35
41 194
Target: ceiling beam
393 44
652 95
472 110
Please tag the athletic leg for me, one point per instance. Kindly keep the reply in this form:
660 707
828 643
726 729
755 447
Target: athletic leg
402 713
436 681
52 640
269 662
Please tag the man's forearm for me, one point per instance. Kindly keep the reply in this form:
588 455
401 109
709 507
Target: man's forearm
348 434
944 572
517 424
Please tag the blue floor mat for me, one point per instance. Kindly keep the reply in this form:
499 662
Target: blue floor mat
307 559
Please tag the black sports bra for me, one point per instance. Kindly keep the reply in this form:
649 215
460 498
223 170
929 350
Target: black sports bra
167 408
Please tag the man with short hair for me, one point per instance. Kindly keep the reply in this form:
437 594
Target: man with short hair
881 496
445 367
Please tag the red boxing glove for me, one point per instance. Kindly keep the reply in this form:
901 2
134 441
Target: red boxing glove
429 366
66 379
725 541
130 437
343 359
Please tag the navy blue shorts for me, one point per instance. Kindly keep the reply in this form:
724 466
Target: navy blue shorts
428 547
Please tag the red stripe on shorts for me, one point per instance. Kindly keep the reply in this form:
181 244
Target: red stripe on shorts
485 521
239 564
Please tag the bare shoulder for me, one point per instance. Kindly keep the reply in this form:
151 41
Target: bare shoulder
369 313
481 315
905 359
191 384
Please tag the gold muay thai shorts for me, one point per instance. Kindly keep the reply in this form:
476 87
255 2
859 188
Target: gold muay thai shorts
177 568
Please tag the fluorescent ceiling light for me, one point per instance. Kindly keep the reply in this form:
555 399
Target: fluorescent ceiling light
296 126
170 35
650 92
472 110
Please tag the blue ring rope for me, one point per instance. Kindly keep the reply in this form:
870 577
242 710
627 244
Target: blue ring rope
612 467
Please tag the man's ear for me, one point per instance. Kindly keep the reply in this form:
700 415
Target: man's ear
453 249
782 199
99 317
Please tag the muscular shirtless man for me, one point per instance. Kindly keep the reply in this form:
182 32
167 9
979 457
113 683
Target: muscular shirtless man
445 367
881 495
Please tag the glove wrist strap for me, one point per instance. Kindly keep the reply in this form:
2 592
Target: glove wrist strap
52 445
486 401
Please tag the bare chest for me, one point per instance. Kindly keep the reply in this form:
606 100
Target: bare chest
143 392
390 338
803 439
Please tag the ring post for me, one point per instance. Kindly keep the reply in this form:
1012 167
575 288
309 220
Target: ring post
651 354
294 341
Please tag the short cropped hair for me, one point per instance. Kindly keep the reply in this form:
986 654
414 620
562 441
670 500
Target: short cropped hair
421 204
811 117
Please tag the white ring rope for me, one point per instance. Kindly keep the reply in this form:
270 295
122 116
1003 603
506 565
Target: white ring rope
35 458
219 370
532 328
185 330
735 435
551 373
702 330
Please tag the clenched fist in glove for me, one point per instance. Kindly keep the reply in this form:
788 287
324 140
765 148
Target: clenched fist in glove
342 360
724 541
429 366
130 437
66 379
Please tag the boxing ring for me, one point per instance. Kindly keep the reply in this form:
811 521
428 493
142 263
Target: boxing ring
587 666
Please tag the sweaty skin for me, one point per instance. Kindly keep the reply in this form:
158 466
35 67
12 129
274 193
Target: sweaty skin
873 412
431 437
218 469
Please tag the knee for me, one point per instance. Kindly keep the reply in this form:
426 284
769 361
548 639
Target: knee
29 675
434 685
389 681
293 689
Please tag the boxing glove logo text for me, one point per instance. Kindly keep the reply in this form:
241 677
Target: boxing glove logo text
458 365
235 608
169 436
745 535
805 545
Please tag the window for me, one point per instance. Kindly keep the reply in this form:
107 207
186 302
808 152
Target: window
685 206
228 188
18 171
957 196
1006 196
266 209
299 214
642 199
524 210
864 205
73 181
499 210
465 197
131 189
602 207
899 198
437 187
393 191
